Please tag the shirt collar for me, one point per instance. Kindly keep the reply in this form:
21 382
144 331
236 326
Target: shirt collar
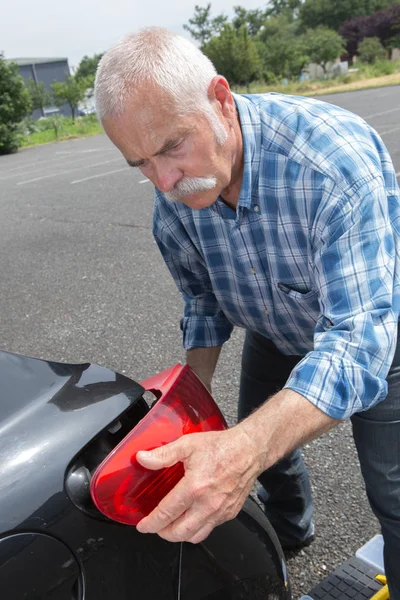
249 117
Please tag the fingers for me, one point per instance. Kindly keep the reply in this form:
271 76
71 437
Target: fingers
196 523
211 492
194 526
190 527
170 508
164 456
201 534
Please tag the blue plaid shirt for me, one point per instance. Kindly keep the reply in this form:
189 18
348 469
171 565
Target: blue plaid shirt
310 257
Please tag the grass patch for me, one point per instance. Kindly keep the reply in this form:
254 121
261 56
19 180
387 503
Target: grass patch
382 73
55 129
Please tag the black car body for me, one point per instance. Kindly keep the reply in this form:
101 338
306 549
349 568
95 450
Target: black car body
57 424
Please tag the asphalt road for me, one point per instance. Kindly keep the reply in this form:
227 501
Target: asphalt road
81 280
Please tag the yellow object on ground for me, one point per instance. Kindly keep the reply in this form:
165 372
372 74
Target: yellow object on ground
382 594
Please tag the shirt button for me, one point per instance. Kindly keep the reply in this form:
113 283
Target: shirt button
252 270
266 312
256 208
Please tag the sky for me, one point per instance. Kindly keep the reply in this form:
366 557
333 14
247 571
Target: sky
74 28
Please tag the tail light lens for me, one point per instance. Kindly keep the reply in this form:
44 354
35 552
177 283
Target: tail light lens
124 490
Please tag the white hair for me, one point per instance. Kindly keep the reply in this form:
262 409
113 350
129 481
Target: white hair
156 55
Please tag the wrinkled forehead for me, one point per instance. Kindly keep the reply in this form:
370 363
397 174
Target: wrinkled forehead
148 104
147 124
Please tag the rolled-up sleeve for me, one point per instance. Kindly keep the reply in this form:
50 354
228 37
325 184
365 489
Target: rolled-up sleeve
203 323
355 267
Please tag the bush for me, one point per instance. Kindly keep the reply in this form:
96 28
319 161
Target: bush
14 106
11 137
29 125
45 123
381 67
57 124
92 118
371 50
385 67
393 42
346 78
269 77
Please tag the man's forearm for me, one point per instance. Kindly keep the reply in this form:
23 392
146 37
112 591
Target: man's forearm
284 423
203 362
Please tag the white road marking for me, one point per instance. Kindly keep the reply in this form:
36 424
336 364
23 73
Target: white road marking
105 162
80 151
388 131
380 114
99 175
38 164
144 181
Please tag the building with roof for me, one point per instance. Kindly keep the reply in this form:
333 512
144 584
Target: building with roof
45 70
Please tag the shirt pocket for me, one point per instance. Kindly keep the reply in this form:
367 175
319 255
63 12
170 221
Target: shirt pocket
295 292
296 312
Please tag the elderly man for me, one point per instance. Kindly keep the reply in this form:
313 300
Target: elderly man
280 215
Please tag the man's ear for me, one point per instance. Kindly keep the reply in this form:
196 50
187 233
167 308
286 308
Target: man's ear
219 94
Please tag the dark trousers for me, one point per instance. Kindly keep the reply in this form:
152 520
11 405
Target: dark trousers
288 500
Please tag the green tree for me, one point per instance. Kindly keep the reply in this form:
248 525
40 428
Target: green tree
281 48
202 27
333 14
289 8
370 50
40 97
323 46
253 20
15 104
383 24
392 43
248 59
72 91
234 55
87 67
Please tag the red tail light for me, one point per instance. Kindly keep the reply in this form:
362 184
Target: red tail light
124 490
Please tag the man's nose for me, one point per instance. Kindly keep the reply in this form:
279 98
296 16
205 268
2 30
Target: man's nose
167 177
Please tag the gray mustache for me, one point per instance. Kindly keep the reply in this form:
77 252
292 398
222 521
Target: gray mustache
191 185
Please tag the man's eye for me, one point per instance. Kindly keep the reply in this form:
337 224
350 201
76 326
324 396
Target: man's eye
178 146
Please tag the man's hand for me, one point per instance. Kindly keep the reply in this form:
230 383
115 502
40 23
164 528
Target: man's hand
220 471
222 466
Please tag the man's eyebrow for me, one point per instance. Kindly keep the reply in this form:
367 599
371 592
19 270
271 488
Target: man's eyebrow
164 148
169 144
